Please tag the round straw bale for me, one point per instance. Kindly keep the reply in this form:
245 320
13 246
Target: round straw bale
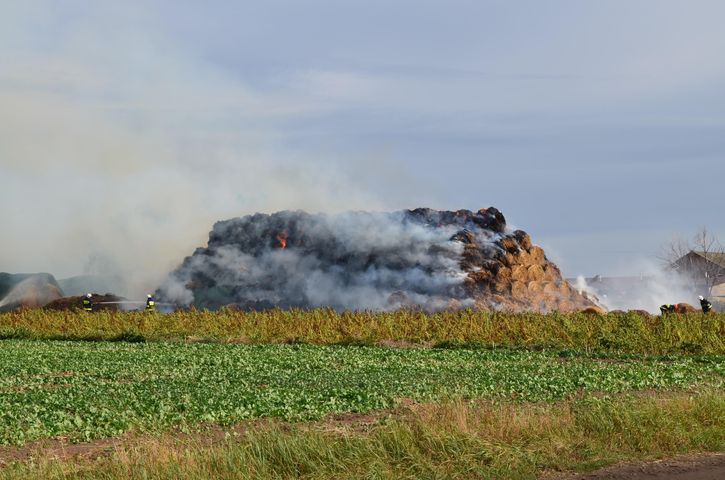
509 259
509 244
535 273
551 273
504 274
685 308
523 239
537 254
594 311
523 258
565 306
519 272
518 289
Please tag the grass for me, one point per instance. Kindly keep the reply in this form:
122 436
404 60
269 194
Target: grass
87 390
454 439
505 395
615 332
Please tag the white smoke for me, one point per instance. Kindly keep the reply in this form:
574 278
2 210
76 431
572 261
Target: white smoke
117 144
652 287
346 261
40 289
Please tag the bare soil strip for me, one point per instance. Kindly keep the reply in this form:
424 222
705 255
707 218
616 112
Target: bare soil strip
686 467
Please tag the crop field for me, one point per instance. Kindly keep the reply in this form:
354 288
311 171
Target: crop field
632 332
452 394
86 390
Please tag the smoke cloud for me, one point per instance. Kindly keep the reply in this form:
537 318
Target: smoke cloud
352 260
117 147
653 287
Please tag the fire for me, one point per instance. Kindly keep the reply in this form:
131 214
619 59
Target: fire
282 239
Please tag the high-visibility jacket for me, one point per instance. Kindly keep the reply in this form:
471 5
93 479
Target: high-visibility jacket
706 305
150 305
87 305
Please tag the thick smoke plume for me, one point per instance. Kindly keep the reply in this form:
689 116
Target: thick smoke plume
347 261
425 258
117 142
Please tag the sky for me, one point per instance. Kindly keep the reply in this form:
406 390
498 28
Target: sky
128 128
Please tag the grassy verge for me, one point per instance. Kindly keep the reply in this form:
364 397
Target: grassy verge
450 440
616 332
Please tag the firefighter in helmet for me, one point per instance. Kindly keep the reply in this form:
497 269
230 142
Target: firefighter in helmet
705 304
87 303
150 304
668 308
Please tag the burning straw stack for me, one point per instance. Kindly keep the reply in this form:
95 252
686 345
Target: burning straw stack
418 258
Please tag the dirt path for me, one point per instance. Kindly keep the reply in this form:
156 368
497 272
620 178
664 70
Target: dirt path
690 467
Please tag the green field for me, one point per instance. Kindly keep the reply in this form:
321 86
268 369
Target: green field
446 395
630 332
86 390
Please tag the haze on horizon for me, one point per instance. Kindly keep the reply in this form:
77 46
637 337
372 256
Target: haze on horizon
128 128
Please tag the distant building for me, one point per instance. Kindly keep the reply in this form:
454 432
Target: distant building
705 269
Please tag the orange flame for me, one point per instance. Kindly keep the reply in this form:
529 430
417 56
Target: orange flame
282 239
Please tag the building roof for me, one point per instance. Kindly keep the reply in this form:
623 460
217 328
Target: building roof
714 257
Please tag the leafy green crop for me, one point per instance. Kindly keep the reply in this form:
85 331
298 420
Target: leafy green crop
87 390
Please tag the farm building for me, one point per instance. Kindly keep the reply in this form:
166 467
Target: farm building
706 269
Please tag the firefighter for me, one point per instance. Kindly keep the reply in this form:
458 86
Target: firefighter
88 303
150 304
668 308
705 304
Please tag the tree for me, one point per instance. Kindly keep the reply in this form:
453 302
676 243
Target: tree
702 259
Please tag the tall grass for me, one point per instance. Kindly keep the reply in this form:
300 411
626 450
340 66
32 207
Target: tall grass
450 440
624 332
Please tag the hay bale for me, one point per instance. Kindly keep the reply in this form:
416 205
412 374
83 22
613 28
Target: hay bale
565 289
537 255
502 281
524 258
551 273
509 244
593 311
519 273
518 289
534 287
523 239
504 274
535 273
509 259
685 308
565 306
482 276
550 287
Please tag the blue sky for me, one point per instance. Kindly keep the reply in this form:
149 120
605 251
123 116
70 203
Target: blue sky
127 128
